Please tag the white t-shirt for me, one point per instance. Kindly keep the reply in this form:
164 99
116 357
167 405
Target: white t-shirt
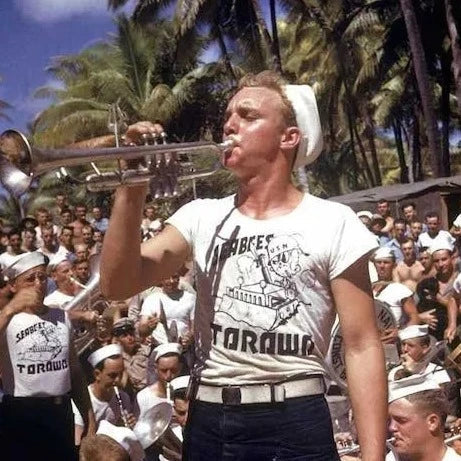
109 411
264 304
34 357
6 259
425 240
394 294
450 455
57 299
146 399
180 310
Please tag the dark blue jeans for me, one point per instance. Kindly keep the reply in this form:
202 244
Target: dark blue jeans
297 429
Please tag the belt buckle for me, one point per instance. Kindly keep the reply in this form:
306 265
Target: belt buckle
231 395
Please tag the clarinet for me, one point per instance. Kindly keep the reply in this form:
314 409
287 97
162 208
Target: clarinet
122 410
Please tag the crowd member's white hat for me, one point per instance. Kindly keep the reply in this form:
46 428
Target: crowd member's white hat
167 348
457 221
383 253
124 437
103 353
302 98
181 382
413 331
411 385
440 244
365 213
25 262
56 260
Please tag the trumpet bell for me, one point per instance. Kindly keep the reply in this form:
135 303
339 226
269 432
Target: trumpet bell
15 161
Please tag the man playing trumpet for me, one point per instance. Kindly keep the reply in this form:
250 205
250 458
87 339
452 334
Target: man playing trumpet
274 266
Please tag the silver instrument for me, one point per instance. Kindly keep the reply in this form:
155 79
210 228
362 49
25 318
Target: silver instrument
120 405
88 299
164 164
355 447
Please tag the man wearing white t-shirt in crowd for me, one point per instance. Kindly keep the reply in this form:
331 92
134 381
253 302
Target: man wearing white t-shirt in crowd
61 272
49 246
398 296
178 307
14 249
44 221
107 363
416 345
66 242
418 411
40 371
274 267
434 232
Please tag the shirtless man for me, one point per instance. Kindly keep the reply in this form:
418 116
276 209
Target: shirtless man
425 258
410 270
383 208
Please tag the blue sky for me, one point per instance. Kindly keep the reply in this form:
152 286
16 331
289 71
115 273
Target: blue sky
32 32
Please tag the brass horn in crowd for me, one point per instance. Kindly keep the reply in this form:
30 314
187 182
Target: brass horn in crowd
164 164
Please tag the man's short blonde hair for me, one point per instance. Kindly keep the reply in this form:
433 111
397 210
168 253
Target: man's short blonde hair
273 81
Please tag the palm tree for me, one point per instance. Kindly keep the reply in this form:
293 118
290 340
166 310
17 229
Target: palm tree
3 106
424 85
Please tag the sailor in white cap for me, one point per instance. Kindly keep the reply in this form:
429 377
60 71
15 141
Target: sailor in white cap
443 262
40 370
417 346
109 402
398 296
418 410
258 324
115 443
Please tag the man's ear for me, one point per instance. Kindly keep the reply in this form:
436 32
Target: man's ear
96 373
13 287
433 422
290 138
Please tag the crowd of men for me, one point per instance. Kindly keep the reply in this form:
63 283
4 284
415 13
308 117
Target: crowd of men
113 378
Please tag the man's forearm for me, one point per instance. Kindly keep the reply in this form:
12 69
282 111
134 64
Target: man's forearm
121 257
6 314
367 383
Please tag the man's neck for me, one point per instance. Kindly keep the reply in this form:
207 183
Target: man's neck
66 289
261 199
433 451
445 278
410 262
102 393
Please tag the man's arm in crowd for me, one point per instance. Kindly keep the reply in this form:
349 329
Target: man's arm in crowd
79 392
23 299
366 375
411 311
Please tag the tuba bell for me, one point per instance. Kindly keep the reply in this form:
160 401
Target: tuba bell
20 163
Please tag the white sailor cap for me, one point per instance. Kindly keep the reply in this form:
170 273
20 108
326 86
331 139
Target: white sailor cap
167 348
56 260
24 262
457 221
440 244
365 213
124 437
413 331
302 99
383 253
103 353
411 385
181 382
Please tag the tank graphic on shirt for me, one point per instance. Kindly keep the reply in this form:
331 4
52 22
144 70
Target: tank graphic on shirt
42 345
267 293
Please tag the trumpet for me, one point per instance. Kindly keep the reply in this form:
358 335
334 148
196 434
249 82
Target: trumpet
164 164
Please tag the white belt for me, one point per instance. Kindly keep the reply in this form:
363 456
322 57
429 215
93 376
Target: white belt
261 393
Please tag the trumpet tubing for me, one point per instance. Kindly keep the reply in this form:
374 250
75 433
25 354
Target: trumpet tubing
164 164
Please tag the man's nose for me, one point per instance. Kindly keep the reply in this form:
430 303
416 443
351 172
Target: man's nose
230 127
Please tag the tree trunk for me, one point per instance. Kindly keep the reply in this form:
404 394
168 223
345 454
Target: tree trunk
424 85
445 112
416 150
455 49
224 53
370 134
275 39
366 165
355 166
267 41
400 152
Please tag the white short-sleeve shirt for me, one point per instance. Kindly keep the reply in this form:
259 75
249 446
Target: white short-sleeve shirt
264 304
